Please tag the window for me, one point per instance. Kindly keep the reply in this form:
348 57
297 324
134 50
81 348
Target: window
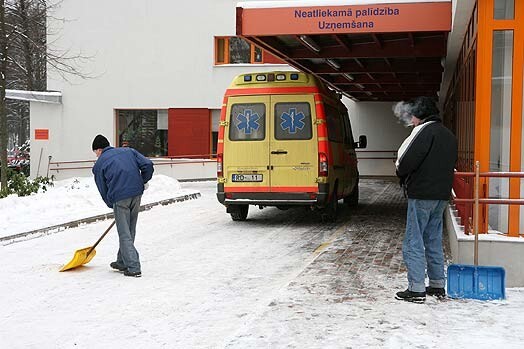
144 130
235 50
215 124
293 121
334 125
501 97
247 122
348 133
504 9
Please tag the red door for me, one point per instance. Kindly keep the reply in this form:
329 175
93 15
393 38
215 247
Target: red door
189 132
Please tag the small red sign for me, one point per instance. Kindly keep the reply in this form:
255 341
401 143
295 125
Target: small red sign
42 134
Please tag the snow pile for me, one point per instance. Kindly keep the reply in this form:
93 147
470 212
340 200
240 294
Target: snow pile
69 200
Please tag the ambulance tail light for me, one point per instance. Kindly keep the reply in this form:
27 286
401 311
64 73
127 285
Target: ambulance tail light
322 165
220 165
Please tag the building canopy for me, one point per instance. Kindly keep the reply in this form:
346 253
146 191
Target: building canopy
367 50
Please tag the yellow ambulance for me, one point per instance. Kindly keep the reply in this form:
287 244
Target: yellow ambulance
285 140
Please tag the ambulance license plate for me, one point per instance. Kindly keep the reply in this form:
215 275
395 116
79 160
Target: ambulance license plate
246 177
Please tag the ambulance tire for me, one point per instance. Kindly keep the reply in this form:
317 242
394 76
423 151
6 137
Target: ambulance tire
240 214
352 199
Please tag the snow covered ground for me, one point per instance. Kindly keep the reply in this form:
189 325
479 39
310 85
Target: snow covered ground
209 282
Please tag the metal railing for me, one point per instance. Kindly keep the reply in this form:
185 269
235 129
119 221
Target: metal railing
392 157
465 192
58 166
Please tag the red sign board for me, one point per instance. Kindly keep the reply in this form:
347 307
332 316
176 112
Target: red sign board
42 134
372 18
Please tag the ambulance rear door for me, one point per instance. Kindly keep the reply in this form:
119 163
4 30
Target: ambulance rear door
246 144
293 148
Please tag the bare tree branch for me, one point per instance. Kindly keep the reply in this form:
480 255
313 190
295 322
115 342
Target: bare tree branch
25 56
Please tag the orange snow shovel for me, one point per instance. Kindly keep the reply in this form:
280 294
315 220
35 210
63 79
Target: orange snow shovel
84 255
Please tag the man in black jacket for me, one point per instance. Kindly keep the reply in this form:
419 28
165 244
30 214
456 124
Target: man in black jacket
425 166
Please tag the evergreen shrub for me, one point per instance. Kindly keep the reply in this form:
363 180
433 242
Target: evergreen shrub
18 183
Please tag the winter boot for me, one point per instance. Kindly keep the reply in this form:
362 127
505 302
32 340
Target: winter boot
117 266
436 291
136 274
409 296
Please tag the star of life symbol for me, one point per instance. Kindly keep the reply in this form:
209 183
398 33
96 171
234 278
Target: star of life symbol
292 121
248 121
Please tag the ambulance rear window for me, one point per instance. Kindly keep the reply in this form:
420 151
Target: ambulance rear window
293 121
248 122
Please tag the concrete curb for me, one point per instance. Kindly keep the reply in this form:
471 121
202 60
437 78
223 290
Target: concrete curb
33 234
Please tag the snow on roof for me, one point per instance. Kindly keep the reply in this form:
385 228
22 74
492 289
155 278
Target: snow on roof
305 3
35 96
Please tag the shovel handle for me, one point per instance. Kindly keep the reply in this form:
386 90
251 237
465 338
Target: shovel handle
98 241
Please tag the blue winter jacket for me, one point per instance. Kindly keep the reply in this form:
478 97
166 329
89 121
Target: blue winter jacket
120 173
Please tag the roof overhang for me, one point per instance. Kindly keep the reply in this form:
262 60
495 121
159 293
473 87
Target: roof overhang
367 50
35 96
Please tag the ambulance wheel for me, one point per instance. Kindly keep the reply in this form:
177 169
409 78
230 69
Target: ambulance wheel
240 212
352 199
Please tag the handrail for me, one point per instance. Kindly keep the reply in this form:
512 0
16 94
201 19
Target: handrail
377 158
465 188
492 174
203 156
375 151
394 157
70 162
157 161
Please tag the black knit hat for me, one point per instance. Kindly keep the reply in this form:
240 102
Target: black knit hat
423 107
100 142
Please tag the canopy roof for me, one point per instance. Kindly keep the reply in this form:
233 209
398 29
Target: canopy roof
369 51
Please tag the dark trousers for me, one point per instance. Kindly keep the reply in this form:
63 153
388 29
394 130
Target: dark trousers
126 216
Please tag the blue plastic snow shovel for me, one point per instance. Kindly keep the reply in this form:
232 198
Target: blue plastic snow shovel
474 281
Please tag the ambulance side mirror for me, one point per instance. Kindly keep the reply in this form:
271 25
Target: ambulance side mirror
362 142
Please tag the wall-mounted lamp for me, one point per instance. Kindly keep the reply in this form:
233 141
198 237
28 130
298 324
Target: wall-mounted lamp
309 43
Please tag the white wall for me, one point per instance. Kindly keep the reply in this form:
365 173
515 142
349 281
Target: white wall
144 54
158 55
45 116
385 135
